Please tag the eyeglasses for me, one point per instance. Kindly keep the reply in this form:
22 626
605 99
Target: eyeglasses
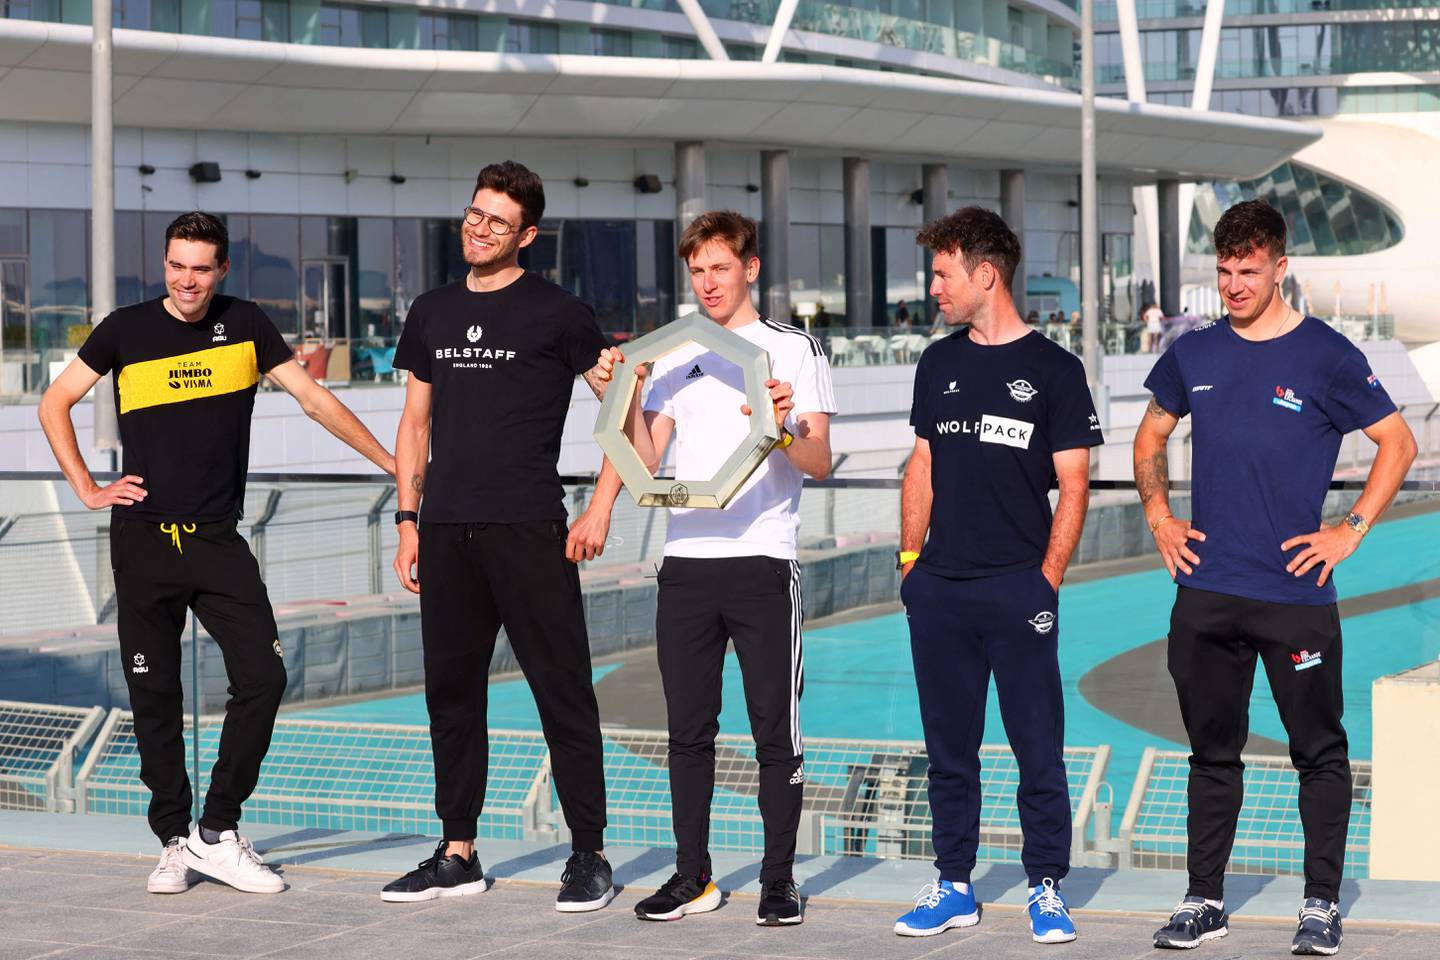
474 216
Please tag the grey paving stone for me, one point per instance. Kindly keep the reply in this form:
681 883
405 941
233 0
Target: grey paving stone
377 943
222 937
27 949
68 923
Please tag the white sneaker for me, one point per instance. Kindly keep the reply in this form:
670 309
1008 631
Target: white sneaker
232 861
170 874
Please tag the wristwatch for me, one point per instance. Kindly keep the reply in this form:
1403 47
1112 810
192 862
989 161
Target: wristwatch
402 515
1357 523
903 557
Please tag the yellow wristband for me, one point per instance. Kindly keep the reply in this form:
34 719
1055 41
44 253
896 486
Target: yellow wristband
1156 525
909 556
786 438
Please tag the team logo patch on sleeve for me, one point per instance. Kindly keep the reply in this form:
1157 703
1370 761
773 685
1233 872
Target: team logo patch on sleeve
1373 381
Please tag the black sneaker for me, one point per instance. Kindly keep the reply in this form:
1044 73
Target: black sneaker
680 895
1319 932
585 885
439 876
779 904
1193 922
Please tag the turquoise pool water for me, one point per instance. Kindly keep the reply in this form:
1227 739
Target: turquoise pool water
859 682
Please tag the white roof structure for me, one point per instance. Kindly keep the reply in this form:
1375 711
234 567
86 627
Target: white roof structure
183 81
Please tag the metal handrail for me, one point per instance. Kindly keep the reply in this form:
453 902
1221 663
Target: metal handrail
586 479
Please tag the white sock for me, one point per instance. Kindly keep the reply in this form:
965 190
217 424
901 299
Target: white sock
960 887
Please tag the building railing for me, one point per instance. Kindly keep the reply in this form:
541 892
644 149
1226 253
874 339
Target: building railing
863 798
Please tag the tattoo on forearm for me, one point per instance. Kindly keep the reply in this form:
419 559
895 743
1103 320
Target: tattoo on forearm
1152 474
596 385
417 482
1155 410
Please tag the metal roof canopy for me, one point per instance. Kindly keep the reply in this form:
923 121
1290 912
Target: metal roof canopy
182 81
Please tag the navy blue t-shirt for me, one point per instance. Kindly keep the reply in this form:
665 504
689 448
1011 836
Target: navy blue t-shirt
1267 421
994 417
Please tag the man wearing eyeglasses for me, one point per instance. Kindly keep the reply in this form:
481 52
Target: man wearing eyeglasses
492 359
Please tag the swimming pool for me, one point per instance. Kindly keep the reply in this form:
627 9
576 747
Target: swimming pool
859 682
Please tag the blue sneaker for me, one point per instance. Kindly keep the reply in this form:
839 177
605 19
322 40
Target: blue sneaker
1320 932
938 907
1049 916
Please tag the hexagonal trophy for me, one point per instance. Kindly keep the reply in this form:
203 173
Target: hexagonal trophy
651 491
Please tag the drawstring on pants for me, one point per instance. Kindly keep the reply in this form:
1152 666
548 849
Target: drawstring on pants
174 530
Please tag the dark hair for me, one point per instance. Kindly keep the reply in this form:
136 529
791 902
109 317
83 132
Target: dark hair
202 228
519 183
1249 226
977 236
735 230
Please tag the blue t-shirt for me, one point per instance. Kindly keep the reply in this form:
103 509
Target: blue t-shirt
1267 421
994 417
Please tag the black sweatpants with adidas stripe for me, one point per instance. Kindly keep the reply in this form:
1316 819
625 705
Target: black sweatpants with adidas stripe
756 602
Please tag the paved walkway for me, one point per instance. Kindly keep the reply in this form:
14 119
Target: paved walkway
73 905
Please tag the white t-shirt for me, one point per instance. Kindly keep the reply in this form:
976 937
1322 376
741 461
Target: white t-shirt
703 393
1153 320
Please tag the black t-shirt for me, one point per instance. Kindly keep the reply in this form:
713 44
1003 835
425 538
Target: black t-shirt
184 393
501 365
994 417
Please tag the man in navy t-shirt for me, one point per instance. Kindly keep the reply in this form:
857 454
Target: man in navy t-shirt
1271 393
999 413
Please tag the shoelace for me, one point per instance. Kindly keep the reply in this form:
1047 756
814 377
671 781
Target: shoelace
1048 900
679 880
170 857
931 894
580 868
1316 913
777 888
1187 907
247 854
433 859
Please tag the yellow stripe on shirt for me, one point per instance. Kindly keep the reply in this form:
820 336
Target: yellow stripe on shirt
189 376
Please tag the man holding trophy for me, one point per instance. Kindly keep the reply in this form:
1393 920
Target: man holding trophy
731 574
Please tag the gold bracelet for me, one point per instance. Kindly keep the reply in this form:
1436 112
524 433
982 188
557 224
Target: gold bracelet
1156 525
786 438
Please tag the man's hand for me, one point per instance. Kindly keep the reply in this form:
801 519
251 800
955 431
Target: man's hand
1052 578
126 491
1326 546
782 395
1173 538
604 370
406 557
905 570
587 536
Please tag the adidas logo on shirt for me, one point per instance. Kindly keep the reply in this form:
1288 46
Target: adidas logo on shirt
695 373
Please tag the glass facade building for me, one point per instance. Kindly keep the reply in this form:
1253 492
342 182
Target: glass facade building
1024 39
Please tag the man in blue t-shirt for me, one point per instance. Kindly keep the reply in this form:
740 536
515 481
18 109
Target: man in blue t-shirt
999 413
1270 393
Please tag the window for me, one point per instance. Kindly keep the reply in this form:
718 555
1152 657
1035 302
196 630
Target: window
343 25
679 48
449 31
274 268
528 36
609 43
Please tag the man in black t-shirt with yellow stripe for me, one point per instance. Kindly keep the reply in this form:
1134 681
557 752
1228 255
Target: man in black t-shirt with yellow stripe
186 369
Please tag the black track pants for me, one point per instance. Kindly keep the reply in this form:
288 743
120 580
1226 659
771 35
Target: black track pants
1214 642
474 578
161 570
703 603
